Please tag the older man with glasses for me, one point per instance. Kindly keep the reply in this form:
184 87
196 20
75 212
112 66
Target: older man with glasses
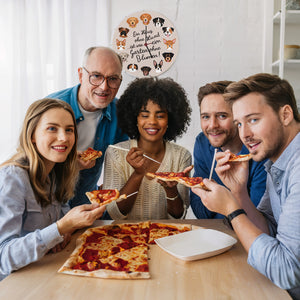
94 104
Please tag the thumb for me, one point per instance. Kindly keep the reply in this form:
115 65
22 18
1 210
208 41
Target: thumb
210 183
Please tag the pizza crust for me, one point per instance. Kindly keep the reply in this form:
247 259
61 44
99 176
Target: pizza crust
238 158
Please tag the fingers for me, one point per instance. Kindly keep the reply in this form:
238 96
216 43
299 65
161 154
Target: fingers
188 169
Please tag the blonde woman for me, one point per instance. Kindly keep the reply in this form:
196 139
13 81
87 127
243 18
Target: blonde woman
35 185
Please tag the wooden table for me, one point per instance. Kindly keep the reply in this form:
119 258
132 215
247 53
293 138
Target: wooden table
225 276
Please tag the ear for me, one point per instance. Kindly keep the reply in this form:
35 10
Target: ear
79 70
286 115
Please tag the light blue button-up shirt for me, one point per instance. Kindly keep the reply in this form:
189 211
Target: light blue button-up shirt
277 255
27 230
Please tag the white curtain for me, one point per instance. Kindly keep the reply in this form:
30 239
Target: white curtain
41 46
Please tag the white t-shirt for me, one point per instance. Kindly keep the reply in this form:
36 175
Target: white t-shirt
87 128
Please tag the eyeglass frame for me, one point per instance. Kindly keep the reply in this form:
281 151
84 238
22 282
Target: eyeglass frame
104 78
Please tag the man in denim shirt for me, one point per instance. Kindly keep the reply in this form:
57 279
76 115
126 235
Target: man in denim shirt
265 111
219 133
94 104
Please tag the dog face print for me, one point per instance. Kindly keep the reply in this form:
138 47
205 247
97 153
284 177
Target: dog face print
145 70
169 43
158 67
158 22
123 56
168 56
123 32
132 67
146 18
168 31
120 44
132 21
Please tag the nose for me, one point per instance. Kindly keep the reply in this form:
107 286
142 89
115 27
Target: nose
104 84
62 135
244 131
213 122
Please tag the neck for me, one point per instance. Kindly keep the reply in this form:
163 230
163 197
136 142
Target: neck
155 149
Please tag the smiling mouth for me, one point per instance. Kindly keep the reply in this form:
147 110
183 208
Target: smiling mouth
60 148
151 131
252 146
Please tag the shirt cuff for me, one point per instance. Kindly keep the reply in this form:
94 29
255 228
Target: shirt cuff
51 236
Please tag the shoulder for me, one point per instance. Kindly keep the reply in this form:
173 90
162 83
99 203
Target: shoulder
202 140
13 170
65 94
11 175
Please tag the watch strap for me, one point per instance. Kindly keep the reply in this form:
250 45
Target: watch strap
235 213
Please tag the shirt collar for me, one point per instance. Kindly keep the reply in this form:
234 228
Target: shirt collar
286 155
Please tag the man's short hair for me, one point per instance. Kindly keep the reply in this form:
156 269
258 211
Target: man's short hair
276 91
88 52
217 87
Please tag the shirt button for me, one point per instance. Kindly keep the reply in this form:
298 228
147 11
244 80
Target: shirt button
80 119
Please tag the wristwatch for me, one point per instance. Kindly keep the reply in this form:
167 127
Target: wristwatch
232 215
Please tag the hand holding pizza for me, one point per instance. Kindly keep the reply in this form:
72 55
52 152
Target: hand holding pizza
218 199
233 175
79 217
84 164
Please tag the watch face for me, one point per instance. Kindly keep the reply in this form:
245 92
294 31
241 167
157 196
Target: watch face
147 42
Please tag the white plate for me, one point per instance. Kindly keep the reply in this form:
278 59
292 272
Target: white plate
196 244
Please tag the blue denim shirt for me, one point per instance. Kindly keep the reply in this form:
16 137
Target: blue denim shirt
28 231
107 133
277 256
203 157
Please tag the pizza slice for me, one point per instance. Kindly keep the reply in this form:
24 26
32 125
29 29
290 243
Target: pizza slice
90 154
167 176
103 197
193 182
241 157
159 230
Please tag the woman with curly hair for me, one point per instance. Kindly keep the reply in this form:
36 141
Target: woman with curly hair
152 112
35 185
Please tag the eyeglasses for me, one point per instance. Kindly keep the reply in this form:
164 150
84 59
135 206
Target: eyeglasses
97 79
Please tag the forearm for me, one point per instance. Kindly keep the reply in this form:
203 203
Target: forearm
253 214
21 251
175 207
132 185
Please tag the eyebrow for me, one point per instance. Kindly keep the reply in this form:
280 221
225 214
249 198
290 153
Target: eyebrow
56 124
247 116
157 112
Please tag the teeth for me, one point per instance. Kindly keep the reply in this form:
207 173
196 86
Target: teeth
59 147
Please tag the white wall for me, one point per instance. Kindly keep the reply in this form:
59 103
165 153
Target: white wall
219 39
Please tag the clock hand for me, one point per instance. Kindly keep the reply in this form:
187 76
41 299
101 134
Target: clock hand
146 45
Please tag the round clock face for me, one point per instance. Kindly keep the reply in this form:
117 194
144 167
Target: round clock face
147 42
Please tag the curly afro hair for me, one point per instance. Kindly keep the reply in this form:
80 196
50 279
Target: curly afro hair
168 94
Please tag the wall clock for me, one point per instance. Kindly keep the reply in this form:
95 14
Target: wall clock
148 43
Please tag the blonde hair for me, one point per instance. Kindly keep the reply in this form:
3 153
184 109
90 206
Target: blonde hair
64 175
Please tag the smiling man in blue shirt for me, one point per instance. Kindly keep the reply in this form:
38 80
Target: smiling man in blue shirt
94 104
219 132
